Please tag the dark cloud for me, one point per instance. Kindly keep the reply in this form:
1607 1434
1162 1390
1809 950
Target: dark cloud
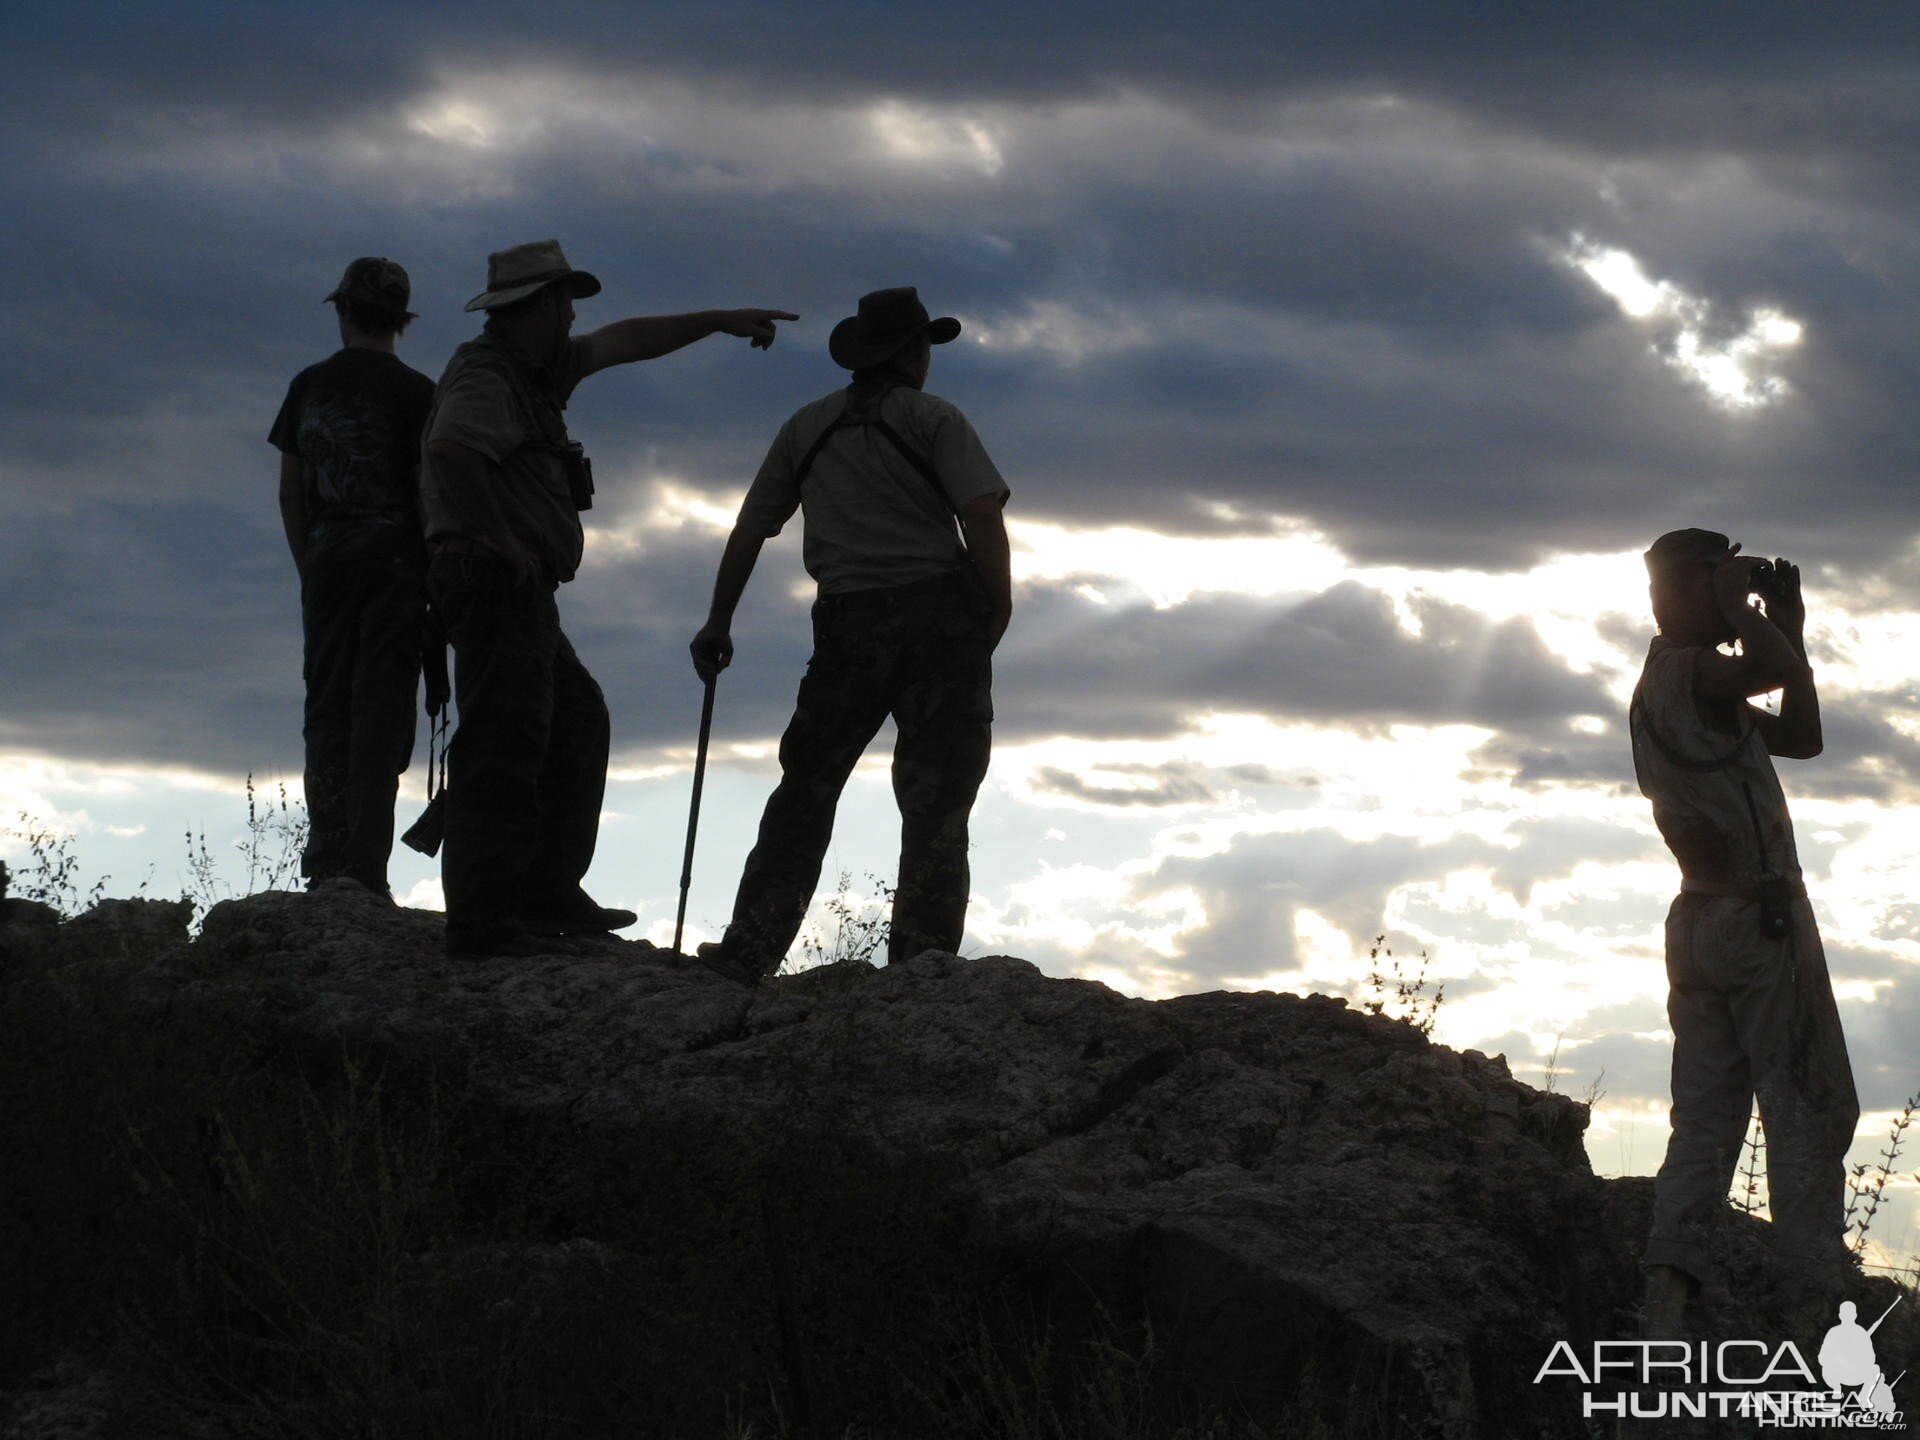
1171 785
1326 239
1337 656
1253 891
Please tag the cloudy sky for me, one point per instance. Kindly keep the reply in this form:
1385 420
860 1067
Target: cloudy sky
1341 360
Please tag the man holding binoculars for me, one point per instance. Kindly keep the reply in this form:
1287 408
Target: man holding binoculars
1749 997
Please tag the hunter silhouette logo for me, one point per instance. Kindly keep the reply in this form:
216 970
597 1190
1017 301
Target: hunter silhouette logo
1771 1385
1847 1362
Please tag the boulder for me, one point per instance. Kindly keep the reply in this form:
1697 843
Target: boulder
1258 1205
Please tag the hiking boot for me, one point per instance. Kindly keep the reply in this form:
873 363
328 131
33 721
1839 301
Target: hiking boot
576 914
714 956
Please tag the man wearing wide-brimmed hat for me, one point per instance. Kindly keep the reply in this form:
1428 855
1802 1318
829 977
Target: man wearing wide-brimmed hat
502 488
349 441
908 614
1749 997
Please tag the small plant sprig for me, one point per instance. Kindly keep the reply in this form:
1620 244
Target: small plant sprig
859 926
1398 995
1867 1181
51 874
1750 1182
275 841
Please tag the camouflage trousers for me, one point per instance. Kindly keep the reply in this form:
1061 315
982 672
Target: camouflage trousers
361 611
1753 1019
527 765
915 653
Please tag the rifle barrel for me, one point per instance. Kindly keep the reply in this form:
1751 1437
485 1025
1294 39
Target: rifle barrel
1884 1313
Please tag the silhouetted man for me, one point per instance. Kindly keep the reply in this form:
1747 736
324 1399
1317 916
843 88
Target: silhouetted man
349 441
502 487
1749 998
1847 1361
906 620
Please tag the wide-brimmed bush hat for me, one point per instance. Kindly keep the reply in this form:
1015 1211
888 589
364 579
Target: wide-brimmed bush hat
887 320
519 270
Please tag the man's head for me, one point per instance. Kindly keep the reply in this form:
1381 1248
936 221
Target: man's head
372 297
530 292
891 331
1847 1312
1680 566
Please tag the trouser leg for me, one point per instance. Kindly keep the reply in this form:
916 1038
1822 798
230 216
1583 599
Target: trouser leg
1790 1028
386 678
1712 1098
327 668
505 638
841 705
573 783
945 718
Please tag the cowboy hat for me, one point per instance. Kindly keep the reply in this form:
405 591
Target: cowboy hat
887 320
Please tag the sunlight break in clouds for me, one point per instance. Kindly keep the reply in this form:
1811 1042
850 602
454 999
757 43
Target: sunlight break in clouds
920 135
1735 370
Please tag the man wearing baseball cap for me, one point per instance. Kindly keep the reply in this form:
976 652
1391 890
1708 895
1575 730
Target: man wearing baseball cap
502 487
349 441
1749 998
908 614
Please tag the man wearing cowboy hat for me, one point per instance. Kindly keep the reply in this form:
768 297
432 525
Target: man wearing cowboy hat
1749 997
349 441
907 617
502 487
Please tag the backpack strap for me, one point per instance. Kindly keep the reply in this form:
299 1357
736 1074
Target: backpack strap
865 410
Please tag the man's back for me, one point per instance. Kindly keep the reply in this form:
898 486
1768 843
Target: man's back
872 517
354 421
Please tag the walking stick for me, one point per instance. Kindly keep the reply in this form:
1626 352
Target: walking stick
693 815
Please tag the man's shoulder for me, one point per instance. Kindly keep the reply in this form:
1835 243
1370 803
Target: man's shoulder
477 368
819 411
303 379
811 420
1668 664
478 353
924 406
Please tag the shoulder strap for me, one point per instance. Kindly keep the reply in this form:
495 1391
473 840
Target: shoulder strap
865 410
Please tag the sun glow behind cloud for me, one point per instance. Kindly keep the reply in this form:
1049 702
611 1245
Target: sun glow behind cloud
1736 368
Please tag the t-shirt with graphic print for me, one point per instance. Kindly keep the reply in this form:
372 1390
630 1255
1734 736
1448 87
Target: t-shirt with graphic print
1716 798
354 422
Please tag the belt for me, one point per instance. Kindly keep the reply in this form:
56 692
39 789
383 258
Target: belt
1726 890
884 596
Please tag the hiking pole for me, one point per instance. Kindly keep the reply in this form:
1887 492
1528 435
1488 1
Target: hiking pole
693 815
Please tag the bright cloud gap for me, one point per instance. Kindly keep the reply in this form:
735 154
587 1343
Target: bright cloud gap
1737 371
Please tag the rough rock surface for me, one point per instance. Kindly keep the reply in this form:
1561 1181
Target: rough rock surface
1296 1196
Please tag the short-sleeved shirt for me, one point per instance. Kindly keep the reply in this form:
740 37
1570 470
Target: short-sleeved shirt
1716 798
870 519
500 403
354 422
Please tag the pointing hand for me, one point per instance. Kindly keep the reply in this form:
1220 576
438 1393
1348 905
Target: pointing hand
754 325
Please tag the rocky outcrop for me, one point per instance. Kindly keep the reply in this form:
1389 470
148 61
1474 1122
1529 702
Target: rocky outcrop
1256 1205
